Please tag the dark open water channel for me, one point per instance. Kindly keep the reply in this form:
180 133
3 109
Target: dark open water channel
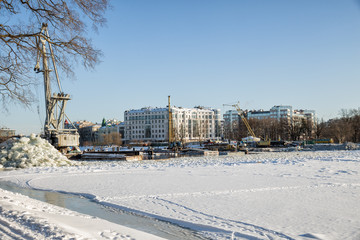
86 206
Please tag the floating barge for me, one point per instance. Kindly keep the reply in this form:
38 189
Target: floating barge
143 155
110 155
199 152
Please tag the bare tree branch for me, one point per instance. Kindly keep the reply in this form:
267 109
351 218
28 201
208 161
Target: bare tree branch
20 22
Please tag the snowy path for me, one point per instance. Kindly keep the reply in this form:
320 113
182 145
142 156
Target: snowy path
298 195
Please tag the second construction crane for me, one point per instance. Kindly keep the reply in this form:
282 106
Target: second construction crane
259 142
243 118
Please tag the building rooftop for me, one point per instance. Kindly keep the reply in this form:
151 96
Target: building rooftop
156 109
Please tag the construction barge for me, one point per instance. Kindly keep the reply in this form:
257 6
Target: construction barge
136 155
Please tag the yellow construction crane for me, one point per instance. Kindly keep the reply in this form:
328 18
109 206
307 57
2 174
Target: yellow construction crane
261 143
170 129
173 144
243 118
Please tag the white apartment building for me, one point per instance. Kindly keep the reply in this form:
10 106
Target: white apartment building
305 114
231 116
287 113
282 112
189 124
279 112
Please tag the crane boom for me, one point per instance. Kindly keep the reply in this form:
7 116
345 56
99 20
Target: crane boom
260 143
240 112
243 118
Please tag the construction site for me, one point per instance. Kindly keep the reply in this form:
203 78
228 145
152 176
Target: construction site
148 133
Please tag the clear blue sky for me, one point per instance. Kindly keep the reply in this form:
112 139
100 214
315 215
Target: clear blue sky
303 53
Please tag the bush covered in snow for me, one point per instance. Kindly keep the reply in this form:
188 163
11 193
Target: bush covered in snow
30 151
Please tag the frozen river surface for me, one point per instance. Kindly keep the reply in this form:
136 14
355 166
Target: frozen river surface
293 195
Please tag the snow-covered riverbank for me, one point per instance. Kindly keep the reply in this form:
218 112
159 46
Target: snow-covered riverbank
300 195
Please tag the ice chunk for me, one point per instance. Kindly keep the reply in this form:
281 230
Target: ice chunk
31 151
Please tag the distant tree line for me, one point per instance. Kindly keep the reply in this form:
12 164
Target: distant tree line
346 128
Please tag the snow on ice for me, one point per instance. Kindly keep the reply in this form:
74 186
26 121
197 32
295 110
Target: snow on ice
288 195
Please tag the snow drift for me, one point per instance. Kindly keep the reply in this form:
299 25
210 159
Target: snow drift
30 151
